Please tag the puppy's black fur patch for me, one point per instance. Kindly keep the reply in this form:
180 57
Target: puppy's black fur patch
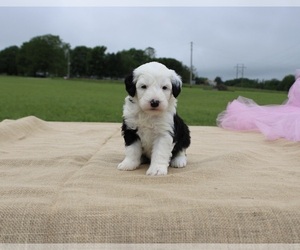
130 85
181 136
176 89
130 135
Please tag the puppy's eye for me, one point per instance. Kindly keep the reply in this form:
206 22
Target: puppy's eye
143 87
164 87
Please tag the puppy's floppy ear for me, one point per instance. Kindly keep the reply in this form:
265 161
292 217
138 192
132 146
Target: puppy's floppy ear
176 84
130 85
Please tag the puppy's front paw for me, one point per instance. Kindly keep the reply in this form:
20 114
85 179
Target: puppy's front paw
179 161
157 170
128 165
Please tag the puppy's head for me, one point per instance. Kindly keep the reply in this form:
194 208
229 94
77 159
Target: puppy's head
154 86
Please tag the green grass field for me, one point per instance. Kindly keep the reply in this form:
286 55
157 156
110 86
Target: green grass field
102 101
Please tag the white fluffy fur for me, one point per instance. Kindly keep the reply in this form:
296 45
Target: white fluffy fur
153 82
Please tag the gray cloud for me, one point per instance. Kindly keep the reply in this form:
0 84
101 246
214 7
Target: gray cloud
265 39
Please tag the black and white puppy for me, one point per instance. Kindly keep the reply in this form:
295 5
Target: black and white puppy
151 127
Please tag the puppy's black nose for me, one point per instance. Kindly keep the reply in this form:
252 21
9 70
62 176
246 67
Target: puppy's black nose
154 103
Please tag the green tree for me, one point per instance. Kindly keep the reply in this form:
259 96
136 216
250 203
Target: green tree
113 65
80 59
200 80
286 83
220 84
97 62
8 60
272 84
43 55
131 59
218 80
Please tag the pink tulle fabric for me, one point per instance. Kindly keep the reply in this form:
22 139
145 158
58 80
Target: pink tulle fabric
274 121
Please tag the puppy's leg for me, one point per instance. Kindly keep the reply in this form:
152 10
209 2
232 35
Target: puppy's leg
180 160
161 154
133 154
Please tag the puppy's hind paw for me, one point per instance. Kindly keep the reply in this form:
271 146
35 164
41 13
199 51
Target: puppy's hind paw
179 161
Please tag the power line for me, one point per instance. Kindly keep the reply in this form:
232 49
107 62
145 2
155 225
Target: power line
240 70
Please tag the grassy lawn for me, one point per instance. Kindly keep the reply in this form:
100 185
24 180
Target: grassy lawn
102 101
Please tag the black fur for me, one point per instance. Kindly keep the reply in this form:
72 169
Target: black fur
181 136
176 86
130 85
176 90
130 135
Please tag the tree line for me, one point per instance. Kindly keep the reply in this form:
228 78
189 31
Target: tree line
48 55
273 84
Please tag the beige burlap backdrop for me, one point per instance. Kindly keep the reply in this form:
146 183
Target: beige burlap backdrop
59 184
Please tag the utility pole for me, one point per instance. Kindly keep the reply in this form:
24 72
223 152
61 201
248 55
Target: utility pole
69 65
67 54
191 66
240 70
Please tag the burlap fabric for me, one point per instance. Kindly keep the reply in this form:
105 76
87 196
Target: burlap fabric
59 184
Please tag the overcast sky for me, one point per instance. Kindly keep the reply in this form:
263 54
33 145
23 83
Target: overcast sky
266 40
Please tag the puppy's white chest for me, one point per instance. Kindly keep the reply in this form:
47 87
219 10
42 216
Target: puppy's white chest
147 136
